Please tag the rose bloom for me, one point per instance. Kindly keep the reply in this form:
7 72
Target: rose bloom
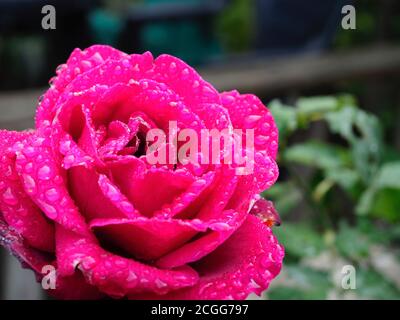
77 192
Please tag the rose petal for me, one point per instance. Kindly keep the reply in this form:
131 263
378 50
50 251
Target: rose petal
145 239
50 193
149 189
184 80
115 275
18 210
13 242
79 62
264 176
230 221
70 287
187 204
96 196
246 111
246 263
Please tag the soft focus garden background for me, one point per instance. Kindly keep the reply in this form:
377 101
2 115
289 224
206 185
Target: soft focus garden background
334 94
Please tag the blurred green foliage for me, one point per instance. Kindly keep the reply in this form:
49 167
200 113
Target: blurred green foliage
235 26
376 20
340 202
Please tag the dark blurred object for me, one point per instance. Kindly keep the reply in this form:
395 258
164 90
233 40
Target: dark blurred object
23 19
182 27
287 26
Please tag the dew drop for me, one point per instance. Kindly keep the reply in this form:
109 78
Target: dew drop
50 211
172 67
30 184
260 140
131 276
160 284
29 151
44 173
52 195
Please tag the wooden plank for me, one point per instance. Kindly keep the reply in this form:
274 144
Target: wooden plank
262 75
268 75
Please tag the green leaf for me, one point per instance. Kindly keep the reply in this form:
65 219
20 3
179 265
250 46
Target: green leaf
318 154
285 118
372 285
386 204
344 177
351 243
285 196
299 240
316 106
389 175
382 196
363 132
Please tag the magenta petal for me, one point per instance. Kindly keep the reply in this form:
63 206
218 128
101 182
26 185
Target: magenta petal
70 287
79 62
14 242
17 208
115 275
248 112
74 288
129 69
150 238
246 263
230 221
184 80
45 183
96 196
143 238
149 189
264 176
224 187
187 204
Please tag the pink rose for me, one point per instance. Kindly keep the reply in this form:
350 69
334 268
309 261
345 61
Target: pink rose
78 193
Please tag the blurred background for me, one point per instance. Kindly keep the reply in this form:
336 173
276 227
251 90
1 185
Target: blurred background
334 93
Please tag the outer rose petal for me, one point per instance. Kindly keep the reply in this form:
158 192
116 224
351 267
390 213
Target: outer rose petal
45 183
248 112
18 209
245 263
265 174
143 238
112 274
201 246
71 287
79 62
150 238
184 80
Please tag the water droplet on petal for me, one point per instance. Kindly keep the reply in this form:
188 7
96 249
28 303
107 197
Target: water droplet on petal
52 195
30 184
44 173
252 119
131 276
